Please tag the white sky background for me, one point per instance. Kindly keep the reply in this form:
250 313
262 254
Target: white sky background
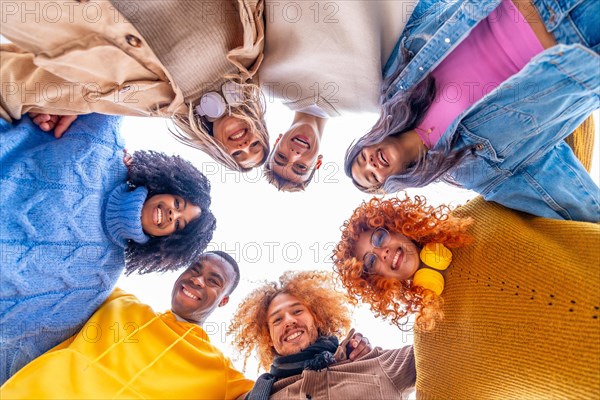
269 232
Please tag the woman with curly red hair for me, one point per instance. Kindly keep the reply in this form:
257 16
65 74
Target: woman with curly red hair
378 257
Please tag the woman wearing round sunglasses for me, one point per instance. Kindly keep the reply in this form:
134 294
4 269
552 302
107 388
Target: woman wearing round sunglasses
391 253
517 291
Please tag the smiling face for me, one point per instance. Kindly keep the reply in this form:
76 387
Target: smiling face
296 153
164 214
291 325
239 141
388 254
202 288
375 163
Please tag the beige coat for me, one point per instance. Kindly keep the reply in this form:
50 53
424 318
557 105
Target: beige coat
379 375
77 57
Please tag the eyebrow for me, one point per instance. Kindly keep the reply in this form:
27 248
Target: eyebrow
184 207
300 174
279 309
217 275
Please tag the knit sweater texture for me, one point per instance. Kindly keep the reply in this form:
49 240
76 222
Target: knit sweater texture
67 216
522 317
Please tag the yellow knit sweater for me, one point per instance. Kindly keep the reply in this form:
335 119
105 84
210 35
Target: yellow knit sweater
521 312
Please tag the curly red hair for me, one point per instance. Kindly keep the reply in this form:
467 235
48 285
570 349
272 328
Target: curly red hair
315 289
390 298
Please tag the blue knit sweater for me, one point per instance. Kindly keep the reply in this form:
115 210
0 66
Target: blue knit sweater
67 215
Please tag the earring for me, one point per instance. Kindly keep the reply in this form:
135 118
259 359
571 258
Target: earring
436 256
319 163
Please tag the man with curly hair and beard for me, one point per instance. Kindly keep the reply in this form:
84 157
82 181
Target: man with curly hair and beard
126 350
294 325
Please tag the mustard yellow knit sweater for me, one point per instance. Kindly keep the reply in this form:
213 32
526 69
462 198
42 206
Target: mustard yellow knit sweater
522 317
521 312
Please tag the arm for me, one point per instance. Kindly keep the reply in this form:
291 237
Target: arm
399 366
28 88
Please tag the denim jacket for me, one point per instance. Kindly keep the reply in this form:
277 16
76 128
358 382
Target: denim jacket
515 132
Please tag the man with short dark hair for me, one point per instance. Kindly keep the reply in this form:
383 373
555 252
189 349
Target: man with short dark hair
126 350
294 325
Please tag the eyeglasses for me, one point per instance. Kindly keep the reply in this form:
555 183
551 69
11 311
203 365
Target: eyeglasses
379 238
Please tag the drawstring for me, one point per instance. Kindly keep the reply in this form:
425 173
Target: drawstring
120 341
153 362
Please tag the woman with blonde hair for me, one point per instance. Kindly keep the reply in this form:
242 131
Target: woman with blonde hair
162 58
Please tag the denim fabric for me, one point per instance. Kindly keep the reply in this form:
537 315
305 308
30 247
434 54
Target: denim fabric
519 156
516 131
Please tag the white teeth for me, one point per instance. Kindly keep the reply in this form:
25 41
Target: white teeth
159 216
300 142
238 135
293 336
396 258
188 294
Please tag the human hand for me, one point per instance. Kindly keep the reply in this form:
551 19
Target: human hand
360 346
48 122
127 158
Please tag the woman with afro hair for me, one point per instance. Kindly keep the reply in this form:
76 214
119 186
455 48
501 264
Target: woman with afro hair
75 216
378 258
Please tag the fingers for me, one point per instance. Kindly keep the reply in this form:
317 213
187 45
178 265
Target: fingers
127 158
44 121
64 122
360 345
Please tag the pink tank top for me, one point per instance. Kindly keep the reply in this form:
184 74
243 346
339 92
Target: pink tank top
497 48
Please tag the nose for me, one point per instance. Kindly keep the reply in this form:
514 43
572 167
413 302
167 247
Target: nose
382 253
198 281
173 214
289 319
372 161
243 145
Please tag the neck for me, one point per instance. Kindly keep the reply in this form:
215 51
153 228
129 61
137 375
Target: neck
317 123
180 318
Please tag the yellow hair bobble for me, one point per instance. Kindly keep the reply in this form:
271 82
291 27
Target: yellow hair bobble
428 278
436 255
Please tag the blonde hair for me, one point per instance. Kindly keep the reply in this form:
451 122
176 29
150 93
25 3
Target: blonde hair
192 130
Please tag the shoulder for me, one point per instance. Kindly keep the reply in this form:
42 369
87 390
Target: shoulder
97 129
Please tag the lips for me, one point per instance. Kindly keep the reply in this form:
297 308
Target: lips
382 159
398 257
238 135
301 141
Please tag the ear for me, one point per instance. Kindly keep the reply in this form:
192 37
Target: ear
270 341
224 301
